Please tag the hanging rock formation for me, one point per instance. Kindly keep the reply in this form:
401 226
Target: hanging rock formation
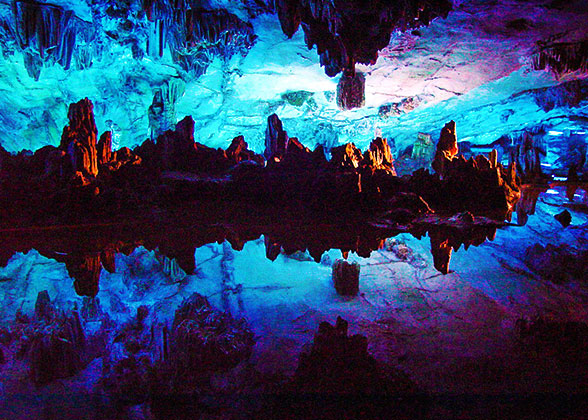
47 33
351 90
562 57
195 35
338 29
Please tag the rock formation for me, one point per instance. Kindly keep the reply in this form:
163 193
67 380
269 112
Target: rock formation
276 139
379 156
104 148
351 90
338 364
339 29
446 148
79 138
53 343
346 278
565 218
558 264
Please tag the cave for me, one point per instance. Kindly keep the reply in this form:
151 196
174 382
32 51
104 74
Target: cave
293 209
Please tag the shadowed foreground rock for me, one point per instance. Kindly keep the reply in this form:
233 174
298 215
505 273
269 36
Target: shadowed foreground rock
337 378
557 264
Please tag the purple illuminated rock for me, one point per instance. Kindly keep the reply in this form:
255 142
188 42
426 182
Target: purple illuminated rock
276 139
351 90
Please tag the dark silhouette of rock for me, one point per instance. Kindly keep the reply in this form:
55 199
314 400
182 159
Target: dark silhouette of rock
346 278
79 138
203 339
276 139
565 218
85 270
351 90
239 152
557 264
176 149
338 364
272 249
43 307
297 155
338 29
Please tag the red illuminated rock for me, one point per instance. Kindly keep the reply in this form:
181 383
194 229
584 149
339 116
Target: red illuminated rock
79 138
346 157
104 148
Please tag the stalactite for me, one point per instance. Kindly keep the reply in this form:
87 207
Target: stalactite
562 57
46 33
195 35
338 29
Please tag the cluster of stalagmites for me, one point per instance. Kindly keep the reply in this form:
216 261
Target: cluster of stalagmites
51 341
160 363
480 185
150 361
85 171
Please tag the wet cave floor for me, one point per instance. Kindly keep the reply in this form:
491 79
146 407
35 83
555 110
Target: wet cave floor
467 340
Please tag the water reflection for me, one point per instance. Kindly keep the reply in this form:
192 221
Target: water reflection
85 250
575 192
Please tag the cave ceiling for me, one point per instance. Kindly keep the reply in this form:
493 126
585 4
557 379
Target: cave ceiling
495 67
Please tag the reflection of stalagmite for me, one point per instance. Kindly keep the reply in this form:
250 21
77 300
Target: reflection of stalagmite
85 269
525 207
346 277
441 250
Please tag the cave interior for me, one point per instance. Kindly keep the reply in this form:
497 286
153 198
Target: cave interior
293 209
